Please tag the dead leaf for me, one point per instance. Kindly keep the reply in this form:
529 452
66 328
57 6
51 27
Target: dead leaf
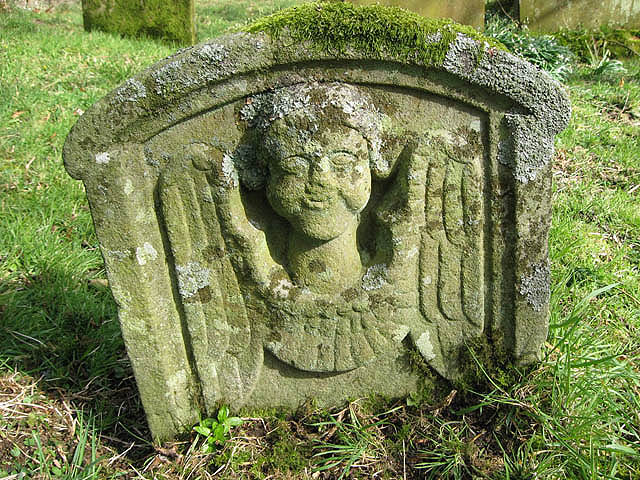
171 452
18 113
98 283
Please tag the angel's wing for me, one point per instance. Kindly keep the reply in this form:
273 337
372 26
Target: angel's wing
214 315
451 281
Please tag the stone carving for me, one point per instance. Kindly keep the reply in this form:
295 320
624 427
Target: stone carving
279 223
326 299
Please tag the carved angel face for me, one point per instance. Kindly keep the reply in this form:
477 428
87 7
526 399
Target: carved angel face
319 177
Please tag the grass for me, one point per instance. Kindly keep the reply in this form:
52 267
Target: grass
358 441
68 403
216 16
544 51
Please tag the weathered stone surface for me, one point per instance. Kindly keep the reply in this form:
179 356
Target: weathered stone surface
166 19
469 12
280 221
553 15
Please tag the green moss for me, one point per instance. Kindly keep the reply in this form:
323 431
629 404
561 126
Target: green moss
286 452
486 365
335 27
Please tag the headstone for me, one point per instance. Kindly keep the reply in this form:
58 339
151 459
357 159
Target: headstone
172 20
553 15
284 217
468 12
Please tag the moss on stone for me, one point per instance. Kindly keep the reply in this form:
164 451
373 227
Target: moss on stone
487 364
432 387
335 27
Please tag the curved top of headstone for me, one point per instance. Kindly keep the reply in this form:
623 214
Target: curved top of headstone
184 84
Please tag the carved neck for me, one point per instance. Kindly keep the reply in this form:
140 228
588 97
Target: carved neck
325 266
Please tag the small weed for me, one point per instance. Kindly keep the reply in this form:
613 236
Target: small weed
84 463
602 64
215 431
447 457
621 43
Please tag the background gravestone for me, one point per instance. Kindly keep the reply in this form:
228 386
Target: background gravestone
553 15
468 12
298 211
167 19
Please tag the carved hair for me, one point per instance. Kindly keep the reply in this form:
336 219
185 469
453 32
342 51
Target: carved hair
312 102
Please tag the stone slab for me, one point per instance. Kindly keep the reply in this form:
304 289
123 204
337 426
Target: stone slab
553 15
172 20
282 219
468 12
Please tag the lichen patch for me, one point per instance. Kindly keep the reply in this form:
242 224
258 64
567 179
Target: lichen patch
119 255
128 186
191 278
229 171
374 278
103 158
146 253
400 333
462 56
212 52
533 146
130 91
282 288
176 384
536 286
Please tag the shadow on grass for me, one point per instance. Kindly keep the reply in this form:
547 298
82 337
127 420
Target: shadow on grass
65 333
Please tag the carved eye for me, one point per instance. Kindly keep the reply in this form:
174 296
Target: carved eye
294 165
343 161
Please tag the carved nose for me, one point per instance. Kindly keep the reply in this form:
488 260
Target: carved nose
321 171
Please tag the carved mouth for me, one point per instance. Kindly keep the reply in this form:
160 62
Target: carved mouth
316 203
316 199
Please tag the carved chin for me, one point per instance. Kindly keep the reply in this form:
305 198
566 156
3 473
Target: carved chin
322 227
